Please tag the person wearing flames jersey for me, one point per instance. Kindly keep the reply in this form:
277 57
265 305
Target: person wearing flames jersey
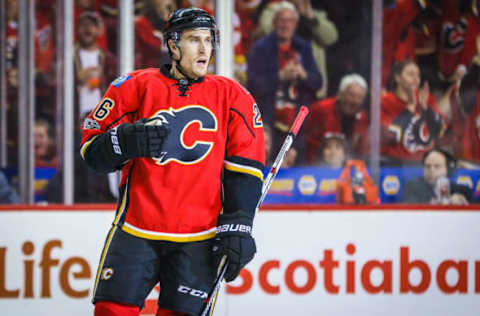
191 151
410 122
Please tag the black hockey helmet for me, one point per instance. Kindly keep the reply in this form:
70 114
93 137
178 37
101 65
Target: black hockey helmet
187 19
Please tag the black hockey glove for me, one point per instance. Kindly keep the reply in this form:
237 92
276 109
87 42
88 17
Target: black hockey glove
234 241
137 139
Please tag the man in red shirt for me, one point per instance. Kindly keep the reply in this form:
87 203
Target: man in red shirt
191 150
342 115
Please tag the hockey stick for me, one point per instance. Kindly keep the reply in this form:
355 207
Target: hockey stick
302 114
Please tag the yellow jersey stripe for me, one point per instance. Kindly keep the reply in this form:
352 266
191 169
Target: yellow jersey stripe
135 231
85 146
243 169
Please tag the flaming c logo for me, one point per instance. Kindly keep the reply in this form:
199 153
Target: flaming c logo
192 134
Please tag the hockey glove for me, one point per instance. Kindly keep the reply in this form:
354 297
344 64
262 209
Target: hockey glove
234 241
137 139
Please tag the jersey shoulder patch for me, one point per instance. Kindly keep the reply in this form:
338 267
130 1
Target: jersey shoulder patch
120 80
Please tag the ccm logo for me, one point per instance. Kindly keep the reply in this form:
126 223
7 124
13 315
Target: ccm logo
234 228
197 293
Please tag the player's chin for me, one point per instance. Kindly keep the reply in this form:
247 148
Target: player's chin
200 70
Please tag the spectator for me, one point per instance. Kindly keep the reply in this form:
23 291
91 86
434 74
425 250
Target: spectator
94 66
45 50
470 99
410 122
401 22
7 194
45 156
244 23
282 74
149 51
459 105
333 151
11 63
82 6
12 34
436 186
343 115
44 144
460 25
313 26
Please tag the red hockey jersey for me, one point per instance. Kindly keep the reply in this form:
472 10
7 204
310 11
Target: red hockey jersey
215 126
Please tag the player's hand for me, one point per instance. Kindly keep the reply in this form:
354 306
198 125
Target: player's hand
234 240
139 139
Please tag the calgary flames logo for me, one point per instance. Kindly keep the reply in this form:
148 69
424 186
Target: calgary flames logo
192 134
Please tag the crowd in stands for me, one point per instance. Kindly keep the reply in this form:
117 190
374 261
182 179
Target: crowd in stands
287 54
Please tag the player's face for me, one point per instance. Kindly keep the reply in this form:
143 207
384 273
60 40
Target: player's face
352 98
196 47
409 79
435 166
285 24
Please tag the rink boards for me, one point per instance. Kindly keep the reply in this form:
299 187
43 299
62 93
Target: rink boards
384 260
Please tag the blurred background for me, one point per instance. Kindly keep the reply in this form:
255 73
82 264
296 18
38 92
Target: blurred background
386 82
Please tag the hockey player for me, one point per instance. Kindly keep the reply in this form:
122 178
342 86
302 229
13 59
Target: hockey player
191 151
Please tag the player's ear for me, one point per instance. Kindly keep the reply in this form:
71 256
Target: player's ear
174 49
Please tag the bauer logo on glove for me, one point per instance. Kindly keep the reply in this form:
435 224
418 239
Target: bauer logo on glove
234 228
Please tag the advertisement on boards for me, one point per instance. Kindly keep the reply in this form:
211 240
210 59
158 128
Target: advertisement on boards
315 262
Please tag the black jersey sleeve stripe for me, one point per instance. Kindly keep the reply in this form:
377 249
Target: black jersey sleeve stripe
118 119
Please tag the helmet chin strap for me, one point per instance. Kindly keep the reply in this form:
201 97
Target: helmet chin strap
179 67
